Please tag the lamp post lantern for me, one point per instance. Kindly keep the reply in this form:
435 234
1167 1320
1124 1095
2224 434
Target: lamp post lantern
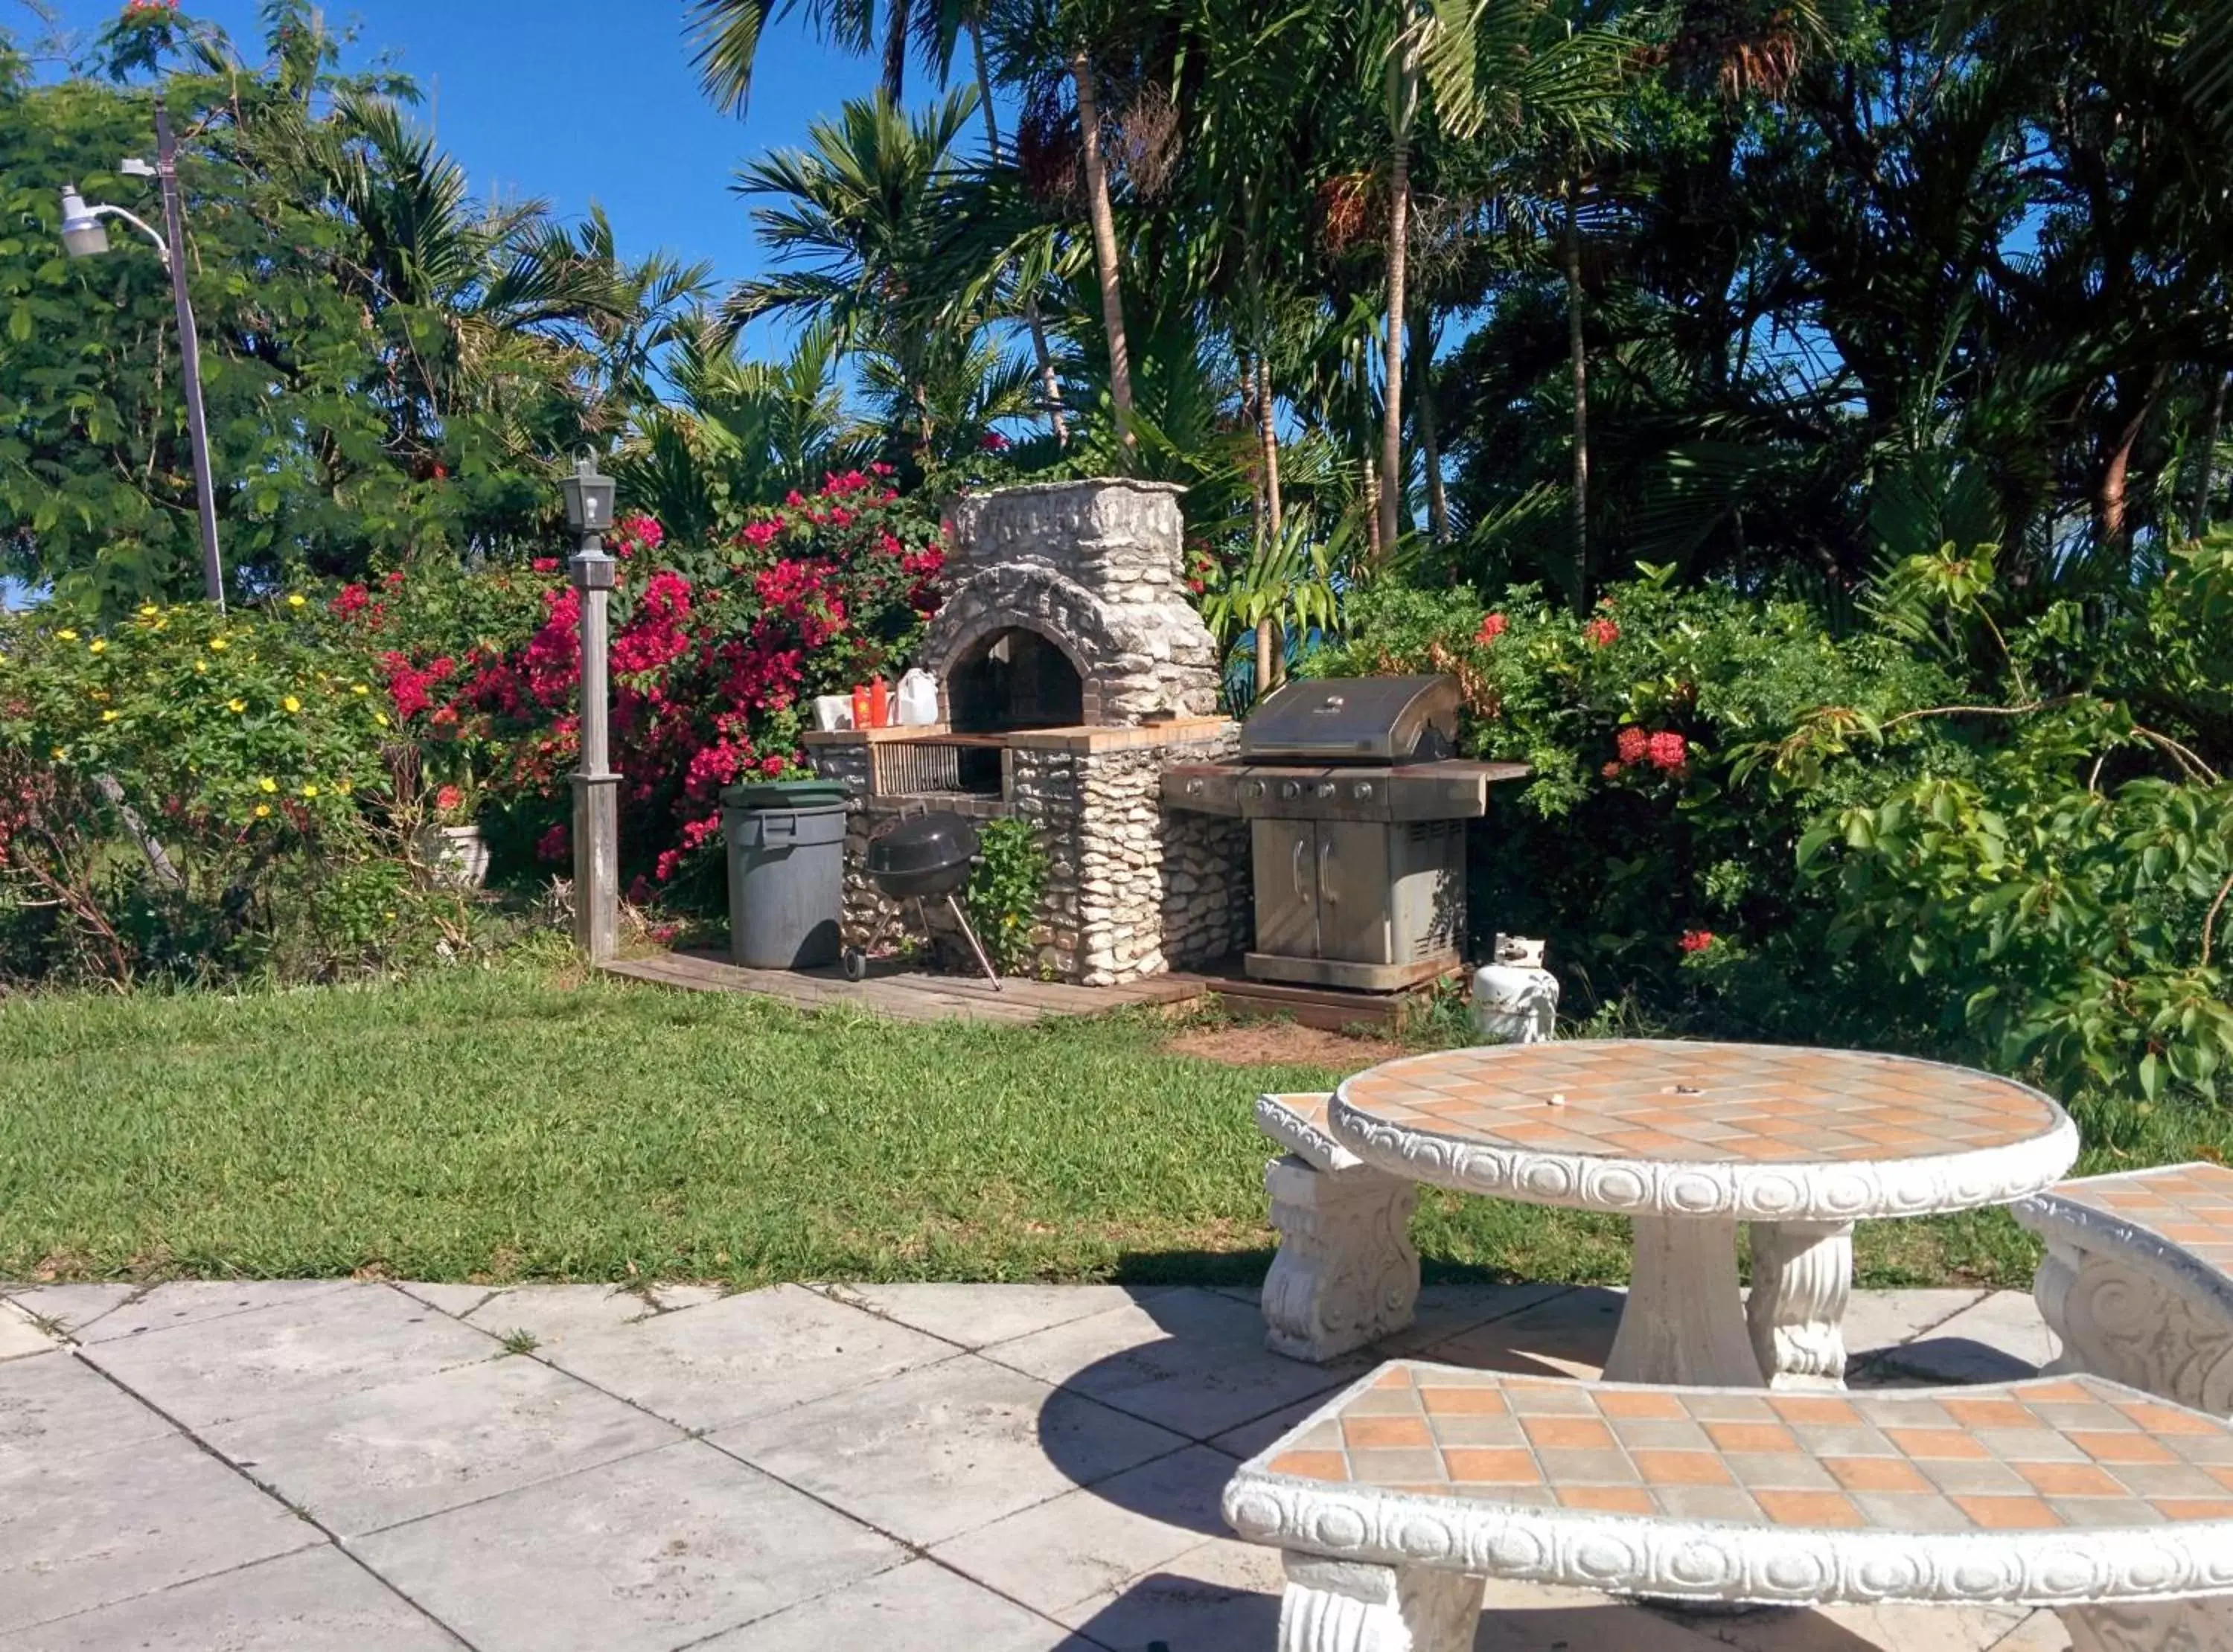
84 236
596 788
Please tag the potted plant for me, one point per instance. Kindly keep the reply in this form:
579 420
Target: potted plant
451 842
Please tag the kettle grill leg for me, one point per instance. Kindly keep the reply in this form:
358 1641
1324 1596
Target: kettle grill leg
975 946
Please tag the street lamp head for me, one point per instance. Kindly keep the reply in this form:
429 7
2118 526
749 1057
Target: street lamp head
84 236
589 498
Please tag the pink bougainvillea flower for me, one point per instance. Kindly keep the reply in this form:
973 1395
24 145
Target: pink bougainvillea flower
992 442
544 565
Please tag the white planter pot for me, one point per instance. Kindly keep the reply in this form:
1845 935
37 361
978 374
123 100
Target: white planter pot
457 854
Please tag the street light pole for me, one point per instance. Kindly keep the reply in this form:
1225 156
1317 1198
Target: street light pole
83 236
596 788
190 347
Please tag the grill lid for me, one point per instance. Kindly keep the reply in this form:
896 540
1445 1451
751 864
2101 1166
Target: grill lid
1357 719
931 842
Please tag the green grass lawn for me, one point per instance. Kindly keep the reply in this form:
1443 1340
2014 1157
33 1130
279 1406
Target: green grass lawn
521 1123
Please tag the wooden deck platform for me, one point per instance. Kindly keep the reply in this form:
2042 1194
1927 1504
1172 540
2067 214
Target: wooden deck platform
904 994
915 995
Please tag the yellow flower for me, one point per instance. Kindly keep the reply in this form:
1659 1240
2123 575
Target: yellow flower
148 611
359 689
201 667
378 718
309 792
236 706
99 645
67 637
109 717
220 644
291 703
268 783
295 599
262 811
61 756
343 787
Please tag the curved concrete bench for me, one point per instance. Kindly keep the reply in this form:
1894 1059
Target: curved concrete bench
1396 1498
2138 1281
1346 1273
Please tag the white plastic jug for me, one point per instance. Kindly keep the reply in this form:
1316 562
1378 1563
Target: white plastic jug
833 711
918 700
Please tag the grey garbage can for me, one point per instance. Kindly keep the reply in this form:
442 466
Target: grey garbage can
786 884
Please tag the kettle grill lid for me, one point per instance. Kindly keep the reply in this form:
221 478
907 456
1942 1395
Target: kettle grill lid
925 844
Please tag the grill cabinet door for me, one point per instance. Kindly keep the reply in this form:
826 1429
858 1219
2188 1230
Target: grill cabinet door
1353 878
1286 887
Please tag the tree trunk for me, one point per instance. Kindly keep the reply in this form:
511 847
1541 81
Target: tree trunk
1373 541
2203 480
1431 443
2112 488
1050 382
1577 349
1268 435
1104 243
1399 214
896 51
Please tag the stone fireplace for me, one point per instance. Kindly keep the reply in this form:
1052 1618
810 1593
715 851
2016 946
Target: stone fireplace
1072 668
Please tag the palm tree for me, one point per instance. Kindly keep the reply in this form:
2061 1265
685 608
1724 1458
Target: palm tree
727 32
859 218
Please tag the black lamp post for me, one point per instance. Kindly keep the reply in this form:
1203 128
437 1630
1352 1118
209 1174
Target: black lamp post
85 236
596 788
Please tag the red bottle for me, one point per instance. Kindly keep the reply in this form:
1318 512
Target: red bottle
880 703
861 706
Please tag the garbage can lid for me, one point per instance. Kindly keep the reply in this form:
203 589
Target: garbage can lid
783 794
926 843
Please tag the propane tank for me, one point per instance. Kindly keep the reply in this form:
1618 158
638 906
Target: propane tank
1515 999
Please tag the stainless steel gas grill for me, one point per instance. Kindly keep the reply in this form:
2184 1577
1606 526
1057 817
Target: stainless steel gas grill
1357 813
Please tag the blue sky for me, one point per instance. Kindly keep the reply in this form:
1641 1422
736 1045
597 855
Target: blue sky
575 100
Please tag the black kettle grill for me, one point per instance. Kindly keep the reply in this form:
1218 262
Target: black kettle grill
921 859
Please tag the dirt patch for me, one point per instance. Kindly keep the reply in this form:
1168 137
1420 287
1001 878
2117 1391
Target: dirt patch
1280 1044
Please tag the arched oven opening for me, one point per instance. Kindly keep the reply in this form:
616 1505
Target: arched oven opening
1012 680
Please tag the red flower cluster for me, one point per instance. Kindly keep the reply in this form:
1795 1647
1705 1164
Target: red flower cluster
1696 940
1493 625
556 847
1665 751
1602 632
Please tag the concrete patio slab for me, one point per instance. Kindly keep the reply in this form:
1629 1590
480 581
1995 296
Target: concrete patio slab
315 1600
20 1335
2000 1337
55 1408
1191 1361
644 1554
977 1315
546 1501
1087 1544
1448 1310
937 1452
906 1610
190 1302
86 1531
381 1456
73 1307
298 1350
728 1362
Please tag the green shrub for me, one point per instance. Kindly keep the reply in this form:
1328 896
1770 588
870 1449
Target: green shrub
1005 887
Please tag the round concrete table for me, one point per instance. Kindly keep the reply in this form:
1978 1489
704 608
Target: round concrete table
1691 1139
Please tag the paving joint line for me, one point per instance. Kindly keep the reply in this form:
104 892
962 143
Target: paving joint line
302 1514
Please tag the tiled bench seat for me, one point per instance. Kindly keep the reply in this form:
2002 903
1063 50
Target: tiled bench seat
1394 1499
2138 1281
1346 1273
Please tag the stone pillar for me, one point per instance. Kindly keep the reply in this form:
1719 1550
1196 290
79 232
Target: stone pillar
1346 1273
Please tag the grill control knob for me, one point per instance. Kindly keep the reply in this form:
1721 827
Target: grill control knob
1327 789
1363 790
1255 788
1289 790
